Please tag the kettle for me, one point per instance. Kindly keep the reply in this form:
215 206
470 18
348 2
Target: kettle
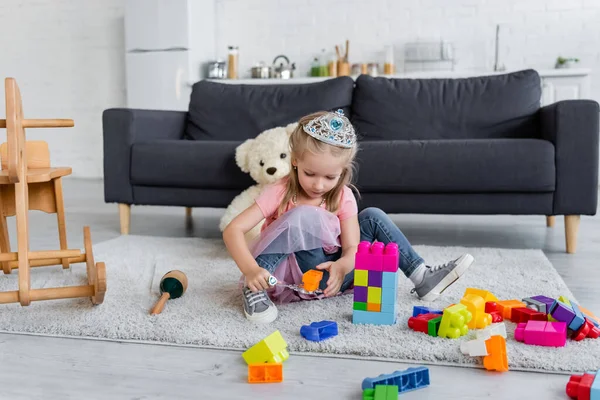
282 71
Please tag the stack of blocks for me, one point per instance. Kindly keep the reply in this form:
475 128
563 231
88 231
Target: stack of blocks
375 283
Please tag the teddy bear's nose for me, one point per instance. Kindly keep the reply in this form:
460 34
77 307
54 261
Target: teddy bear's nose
271 170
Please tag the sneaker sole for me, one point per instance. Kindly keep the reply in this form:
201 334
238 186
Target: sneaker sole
264 317
463 264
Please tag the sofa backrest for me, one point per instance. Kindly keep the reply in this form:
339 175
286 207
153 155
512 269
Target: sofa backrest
220 111
496 106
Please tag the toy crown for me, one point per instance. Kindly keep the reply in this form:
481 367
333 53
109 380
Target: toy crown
332 128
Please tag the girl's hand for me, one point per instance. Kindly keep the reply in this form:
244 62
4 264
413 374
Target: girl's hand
258 279
336 277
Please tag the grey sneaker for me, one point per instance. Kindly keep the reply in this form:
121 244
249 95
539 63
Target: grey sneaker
438 278
258 307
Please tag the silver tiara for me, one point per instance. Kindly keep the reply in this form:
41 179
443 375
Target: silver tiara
332 128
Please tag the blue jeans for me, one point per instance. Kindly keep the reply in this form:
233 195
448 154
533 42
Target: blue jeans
374 225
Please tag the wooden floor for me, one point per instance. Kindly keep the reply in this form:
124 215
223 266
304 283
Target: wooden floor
33 367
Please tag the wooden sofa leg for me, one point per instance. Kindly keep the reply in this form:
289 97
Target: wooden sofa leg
550 219
188 212
571 229
125 217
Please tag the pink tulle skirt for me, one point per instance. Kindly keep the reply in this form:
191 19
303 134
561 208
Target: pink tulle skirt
301 228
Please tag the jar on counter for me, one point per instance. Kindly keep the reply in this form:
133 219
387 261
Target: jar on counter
233 62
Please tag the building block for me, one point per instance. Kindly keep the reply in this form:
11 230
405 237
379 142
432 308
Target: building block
542 333
311 280
492 330
587 330
579 319
361 278
476 307
381 392
360 294
388 296
420 323
389 308
358 305
593 319
595 389
505 307
487 296
492 308
374 295
272 349
474 348
369 256
562 312
319 331
497 359
389 280
374 307
375 278
535 304
425 310
390 258
454 322
579 386
433 326
373 318
410 379
547 301
265 373
524 314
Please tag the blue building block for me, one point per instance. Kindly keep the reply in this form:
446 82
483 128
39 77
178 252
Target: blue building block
373 318
579 319
417 310
410 379
388 295
318 331
390 280
595 389
389 308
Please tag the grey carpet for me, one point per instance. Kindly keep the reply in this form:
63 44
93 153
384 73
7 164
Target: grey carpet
210 313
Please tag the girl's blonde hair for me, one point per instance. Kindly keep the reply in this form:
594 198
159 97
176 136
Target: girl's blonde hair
300 142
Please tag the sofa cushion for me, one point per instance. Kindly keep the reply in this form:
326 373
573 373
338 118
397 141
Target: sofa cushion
456 166
497 106
220 111
187 164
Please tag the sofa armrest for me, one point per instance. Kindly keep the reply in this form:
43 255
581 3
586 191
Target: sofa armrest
573 127
122 127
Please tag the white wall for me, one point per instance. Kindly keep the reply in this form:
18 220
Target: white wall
68 54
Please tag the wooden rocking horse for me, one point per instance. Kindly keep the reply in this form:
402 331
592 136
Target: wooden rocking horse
29 183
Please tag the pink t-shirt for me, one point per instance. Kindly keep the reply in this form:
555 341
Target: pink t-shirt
271 196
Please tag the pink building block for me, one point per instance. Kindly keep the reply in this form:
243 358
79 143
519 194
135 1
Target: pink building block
369 257
390 257
542 333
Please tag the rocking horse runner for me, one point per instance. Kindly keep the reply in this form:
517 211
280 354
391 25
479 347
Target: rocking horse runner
17 198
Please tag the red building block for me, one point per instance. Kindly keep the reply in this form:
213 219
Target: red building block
522 314
579 386
587 330
492 308
420 323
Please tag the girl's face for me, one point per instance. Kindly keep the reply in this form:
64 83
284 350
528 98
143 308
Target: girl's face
318 173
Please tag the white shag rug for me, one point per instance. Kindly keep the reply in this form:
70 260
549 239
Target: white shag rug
210 312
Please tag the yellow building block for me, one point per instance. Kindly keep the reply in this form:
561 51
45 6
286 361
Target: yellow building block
476 306
361 277
565 300
272 349
374 295
484 294
454 322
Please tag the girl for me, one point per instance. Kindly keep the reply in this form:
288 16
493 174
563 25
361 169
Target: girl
312 222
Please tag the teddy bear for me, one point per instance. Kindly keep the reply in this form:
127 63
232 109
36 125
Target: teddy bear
267 159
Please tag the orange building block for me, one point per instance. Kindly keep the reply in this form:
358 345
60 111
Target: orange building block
374 307
497 359
505 307
311 280
265 373
589 314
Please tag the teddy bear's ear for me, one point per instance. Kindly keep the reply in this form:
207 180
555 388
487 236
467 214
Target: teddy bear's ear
290 128
241 155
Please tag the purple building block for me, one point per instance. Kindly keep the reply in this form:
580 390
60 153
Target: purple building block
360 294
546 300
562 312
375 278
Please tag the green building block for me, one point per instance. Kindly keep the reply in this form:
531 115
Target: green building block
433 325
381 392
358 305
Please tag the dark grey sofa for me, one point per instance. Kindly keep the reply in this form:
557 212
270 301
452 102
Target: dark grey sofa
479 145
